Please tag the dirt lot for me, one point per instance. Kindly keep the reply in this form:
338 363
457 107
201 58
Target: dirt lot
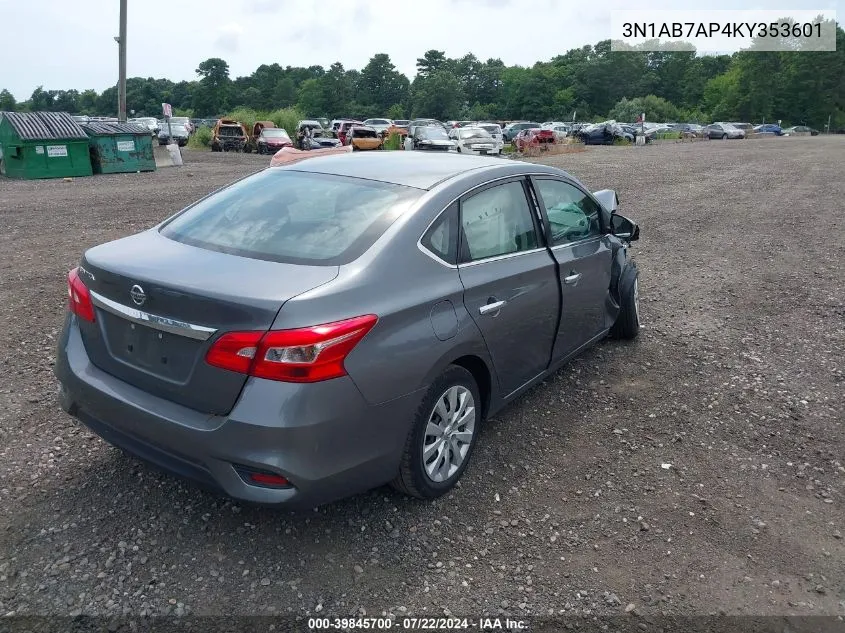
697 470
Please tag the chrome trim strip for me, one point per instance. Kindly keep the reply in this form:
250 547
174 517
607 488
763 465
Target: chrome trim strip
505 256
586 240
433 256
165 324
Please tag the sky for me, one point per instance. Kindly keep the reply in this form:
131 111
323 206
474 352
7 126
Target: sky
64 44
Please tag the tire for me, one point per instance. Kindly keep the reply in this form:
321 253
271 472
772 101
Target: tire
414 476
724 137
627 324
2 167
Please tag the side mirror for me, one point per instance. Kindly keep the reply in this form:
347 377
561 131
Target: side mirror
623 228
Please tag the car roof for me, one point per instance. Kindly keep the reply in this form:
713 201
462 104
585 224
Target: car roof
421 170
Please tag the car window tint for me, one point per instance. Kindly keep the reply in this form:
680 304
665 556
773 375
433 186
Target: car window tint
572 214
441 238
497 221
293 217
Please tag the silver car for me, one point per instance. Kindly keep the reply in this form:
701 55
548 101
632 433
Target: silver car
319 329
723 131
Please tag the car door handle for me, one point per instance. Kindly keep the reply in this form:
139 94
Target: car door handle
572 279
491 307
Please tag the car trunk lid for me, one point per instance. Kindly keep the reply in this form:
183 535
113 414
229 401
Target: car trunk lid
160 304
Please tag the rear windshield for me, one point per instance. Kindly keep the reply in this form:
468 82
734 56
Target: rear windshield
293 217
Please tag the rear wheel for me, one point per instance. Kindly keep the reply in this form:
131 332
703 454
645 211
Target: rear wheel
724 137
442 438
2 167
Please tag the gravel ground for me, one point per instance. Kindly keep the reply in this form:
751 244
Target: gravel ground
698 470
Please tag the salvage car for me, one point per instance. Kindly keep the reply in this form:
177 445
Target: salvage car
315 126
800 130
228 136
319 142
475 140
271 139
318 329
771 129
179 132
605 133
149 122
184 122
689 130
380 125
431 138
494 129
723 131
364 137
534 137
512 129
344 128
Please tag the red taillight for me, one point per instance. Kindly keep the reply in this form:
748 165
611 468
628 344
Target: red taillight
307 354
269 479
78 297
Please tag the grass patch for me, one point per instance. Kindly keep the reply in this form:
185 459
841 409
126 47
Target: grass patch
287 118
393 142
200 139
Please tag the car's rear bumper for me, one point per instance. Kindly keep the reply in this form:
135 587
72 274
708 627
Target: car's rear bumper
323 437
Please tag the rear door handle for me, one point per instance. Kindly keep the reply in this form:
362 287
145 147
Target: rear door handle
491 307
572 279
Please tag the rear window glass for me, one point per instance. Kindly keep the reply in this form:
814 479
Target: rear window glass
293 217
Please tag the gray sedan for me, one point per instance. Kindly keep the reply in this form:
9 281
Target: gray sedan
319 329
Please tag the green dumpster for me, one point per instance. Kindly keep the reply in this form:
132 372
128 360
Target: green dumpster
118 148
42 145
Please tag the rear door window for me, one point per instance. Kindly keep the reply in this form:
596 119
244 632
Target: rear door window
293 217
497 221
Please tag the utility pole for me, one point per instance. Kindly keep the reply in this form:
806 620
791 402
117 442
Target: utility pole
121 82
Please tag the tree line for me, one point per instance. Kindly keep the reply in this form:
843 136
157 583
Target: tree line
588 83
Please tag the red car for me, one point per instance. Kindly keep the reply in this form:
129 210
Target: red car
533 137
344 128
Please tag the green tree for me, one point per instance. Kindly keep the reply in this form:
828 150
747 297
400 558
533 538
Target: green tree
338 90
310 101
655 109
284 93
431 62
41 99
722 96
66 101
88 102
381 85
437 96
213 92
7 101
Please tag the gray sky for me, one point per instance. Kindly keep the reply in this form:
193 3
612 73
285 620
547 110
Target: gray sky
68 44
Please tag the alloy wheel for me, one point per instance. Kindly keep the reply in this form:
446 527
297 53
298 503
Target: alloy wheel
449 433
